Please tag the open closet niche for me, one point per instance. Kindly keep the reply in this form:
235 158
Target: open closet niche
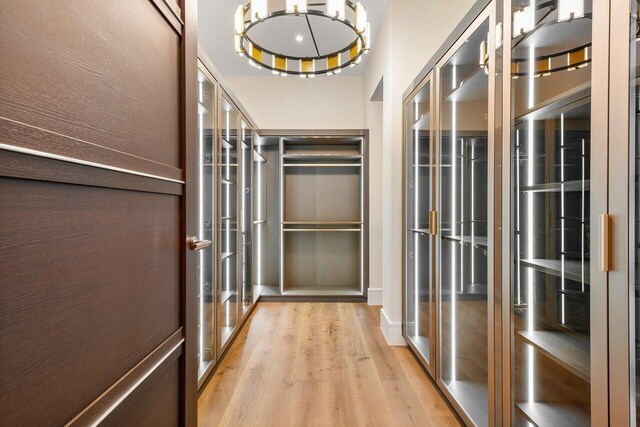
313 238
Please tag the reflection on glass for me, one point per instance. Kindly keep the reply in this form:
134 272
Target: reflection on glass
550 130
228 292
246 137
418 241
259 207
464 102
206 120
634 98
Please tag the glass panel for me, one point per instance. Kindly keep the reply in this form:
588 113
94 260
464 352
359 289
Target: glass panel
464 103
550 130
634 121
246 135
259 208
206 132
228 292
418 256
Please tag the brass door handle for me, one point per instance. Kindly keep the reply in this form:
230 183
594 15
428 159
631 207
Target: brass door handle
433 222
196 245
606 263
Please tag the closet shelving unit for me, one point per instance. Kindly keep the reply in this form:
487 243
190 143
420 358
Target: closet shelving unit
550 131
322 236
260 217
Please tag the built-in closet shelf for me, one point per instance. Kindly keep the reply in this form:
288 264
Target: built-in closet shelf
567 350
225 255
575 94
226 296
257 157
320 229
554 187
420 230
203 109
228 218
554 414
480 241
208 164
310 291
320 165
259 221
226 144
470 87
321 222
422 121
226 182
572 268
320 156
244 145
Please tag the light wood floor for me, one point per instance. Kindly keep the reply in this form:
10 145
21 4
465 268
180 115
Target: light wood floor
319 364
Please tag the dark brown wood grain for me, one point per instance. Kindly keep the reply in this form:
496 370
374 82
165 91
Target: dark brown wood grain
89 284
18 165
104 72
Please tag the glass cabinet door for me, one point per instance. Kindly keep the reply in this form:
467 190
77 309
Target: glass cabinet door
463 209
205 263
228 222
418 242
551 304
246 158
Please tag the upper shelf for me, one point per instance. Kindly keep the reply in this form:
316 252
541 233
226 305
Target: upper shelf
423 122
321 156
478 241
572 268
473 87
550 187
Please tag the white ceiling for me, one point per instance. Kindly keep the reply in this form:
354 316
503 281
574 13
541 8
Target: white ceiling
215 35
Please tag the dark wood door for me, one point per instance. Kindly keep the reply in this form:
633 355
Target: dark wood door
95 288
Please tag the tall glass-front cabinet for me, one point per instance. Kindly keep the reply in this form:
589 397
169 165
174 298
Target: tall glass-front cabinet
525 272
225 282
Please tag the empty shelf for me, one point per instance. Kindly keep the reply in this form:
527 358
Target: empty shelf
257 157
552 187
555 414
310 291
260 221
227 144
226 255
475 240
473 397
225 296
422 122
320 165
420 230
565 349
321 222
320 229
572 268
320 156
227 182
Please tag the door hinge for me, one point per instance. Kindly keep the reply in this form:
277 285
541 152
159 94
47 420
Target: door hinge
606 262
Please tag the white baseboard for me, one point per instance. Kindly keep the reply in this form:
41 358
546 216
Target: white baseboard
392 331
374 296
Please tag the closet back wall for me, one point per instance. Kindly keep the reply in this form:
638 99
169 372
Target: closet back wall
324 102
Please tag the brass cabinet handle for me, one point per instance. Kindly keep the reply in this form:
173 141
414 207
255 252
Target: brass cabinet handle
433 222
196 245
605 243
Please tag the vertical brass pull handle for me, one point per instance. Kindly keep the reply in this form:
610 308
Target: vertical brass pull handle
433 222
605 243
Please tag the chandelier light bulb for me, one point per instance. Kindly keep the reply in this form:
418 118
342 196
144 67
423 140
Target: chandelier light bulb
259 10
296 6
367 38
336 9
524 20
570 9
238 45
361 18
239 20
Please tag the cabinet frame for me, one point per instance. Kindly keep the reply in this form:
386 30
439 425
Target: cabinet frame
599 366
430 364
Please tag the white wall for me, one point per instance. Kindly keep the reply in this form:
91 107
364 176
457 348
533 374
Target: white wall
294 103
411 32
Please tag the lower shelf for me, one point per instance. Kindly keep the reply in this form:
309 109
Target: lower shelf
472 397
310 291
554 414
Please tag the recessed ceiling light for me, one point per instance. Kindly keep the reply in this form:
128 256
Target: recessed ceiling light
299 38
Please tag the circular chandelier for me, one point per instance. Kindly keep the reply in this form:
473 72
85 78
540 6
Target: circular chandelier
256 12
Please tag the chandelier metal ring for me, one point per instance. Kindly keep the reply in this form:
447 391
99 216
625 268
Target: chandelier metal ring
307 66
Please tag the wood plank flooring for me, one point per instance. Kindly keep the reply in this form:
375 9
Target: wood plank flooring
319 364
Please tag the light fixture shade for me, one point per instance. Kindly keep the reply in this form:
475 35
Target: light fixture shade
499 34
296 6
238 45
361 18
578 59
336 9
483 54
307 66
259 10
239 20
333 61
256 54
524 20
279 64
570 9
